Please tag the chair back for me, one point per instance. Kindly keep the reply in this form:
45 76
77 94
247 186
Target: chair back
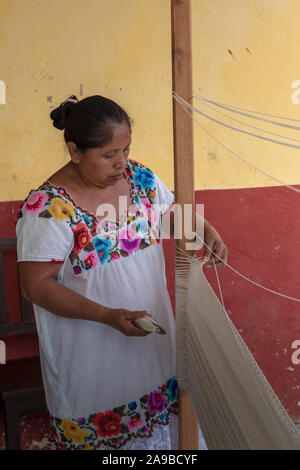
27 323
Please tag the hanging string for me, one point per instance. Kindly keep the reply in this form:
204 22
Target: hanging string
219 284
230 106
234 109
184 105
244 123
242 275
188 105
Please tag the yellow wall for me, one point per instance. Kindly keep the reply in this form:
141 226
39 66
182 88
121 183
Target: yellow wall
52 49
259 78
122 49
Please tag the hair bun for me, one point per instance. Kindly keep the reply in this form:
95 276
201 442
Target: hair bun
58 115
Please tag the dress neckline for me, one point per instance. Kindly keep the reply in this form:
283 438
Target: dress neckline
82 209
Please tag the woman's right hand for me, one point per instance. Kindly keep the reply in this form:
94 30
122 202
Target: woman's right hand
121 320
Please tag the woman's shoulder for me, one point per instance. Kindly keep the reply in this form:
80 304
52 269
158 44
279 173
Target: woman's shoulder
48 201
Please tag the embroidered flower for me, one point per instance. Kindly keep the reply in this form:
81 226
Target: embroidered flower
142 228
77 270
143 177
81 237
164 418
80 420
172 388
87 447
115 255
117 426
135 422
61 209
108 424
156 402
129 241
36 203
132 405
91 260
72 431
145 202
86 218
102 246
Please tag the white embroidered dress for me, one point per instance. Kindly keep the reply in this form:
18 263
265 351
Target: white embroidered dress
103 388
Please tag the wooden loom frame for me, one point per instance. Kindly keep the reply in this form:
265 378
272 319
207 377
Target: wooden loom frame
183 167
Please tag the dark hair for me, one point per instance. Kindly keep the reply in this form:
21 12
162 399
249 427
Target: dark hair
89 123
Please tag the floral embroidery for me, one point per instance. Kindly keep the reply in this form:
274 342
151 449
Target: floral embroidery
35 203
91 260
99 242
61 209
173 389
108 424
156 402
143 177
72 431
102 246
129 240
113 428
81 237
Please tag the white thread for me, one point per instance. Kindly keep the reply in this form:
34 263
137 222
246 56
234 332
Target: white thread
241 130
246 278
235 109
244 123
219 285
182 102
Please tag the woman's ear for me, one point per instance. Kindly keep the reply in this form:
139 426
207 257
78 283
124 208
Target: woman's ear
74 152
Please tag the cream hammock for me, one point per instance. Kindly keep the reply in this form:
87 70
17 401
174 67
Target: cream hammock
234 403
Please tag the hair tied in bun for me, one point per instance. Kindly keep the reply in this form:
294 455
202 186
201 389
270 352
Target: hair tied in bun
59 114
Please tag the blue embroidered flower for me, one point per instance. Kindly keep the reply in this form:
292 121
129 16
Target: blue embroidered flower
143 177
172 387
86 219
164 417
102 246
132 405
143 228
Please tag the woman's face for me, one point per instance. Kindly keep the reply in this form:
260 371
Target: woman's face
104 166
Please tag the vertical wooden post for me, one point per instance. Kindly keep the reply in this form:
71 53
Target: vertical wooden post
183 167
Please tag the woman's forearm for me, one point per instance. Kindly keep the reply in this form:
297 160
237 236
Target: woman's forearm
62 301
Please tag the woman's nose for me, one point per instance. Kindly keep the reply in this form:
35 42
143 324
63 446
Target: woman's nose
120 161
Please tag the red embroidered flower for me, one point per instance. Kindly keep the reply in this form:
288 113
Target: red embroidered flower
81 237
108 424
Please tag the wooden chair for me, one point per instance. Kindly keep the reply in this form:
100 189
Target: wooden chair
21 386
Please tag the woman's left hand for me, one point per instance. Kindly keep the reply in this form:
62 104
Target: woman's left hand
216 244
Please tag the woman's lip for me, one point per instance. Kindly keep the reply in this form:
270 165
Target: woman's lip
117 176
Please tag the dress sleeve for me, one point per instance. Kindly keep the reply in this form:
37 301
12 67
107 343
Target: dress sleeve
164 198
43 229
